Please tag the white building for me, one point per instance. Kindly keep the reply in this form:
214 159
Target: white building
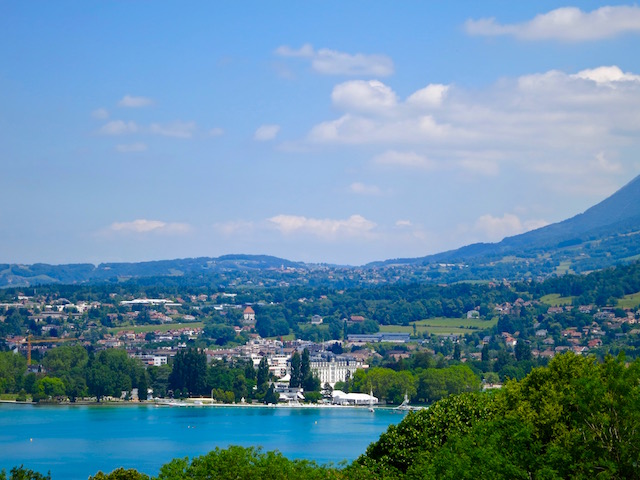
341 398
335 368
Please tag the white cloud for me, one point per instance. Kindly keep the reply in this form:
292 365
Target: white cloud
100 114
131 147
497 228
266 132
567 23
362 189
306 51
118 127
404 223
607 75
175 129
129 101
545 122
404 159
332 62
355 225
216 132
142 226
364 96
602 164
430 96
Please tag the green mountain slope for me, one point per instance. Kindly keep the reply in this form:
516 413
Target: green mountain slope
605 234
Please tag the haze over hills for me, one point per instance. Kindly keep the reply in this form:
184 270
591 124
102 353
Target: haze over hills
604 235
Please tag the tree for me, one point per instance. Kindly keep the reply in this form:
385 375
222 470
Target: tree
246 463
121 474
271 397
456 352
110 373
21 473
49 387
296 372
485 353
262 377
189 371
308 382
522 351
69 364
12 370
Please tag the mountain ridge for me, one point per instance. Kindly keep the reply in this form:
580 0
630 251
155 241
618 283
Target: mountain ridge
603 235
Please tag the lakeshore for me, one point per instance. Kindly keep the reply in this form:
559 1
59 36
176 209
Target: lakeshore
75 441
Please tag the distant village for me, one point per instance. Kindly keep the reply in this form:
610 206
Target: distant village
153 330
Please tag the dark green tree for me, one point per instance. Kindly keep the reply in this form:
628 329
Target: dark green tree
189 372
296 371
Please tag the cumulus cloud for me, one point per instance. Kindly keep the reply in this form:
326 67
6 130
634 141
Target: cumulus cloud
404 223
118 127
175 129
430 96
611 75
355 225
143 226
131 147
216 132
129 101
266 132
332 62
361 189
100 114
404 160
497 228
545 122
567 24
363 96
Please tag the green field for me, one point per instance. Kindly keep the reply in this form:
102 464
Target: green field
630 301
443 326
564 267
555 300
165 327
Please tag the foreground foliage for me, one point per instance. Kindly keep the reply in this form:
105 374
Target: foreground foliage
576 418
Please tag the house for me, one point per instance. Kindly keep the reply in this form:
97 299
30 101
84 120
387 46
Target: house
316 320
249 315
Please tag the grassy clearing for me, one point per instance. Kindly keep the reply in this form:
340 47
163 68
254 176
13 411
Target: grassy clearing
442 326
555 300
564 267
630 301
160 328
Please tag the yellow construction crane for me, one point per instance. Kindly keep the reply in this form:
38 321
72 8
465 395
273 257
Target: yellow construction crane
30 340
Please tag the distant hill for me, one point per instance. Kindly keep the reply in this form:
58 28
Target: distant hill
14 275
605 234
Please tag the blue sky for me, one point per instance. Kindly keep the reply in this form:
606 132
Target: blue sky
341 132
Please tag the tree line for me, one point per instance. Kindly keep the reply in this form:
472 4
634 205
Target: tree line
576 418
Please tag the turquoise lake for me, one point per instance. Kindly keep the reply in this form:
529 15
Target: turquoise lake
74 442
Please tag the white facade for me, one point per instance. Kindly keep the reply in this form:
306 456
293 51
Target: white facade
341 398
335 369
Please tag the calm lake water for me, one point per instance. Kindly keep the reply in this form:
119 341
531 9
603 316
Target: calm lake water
74 442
